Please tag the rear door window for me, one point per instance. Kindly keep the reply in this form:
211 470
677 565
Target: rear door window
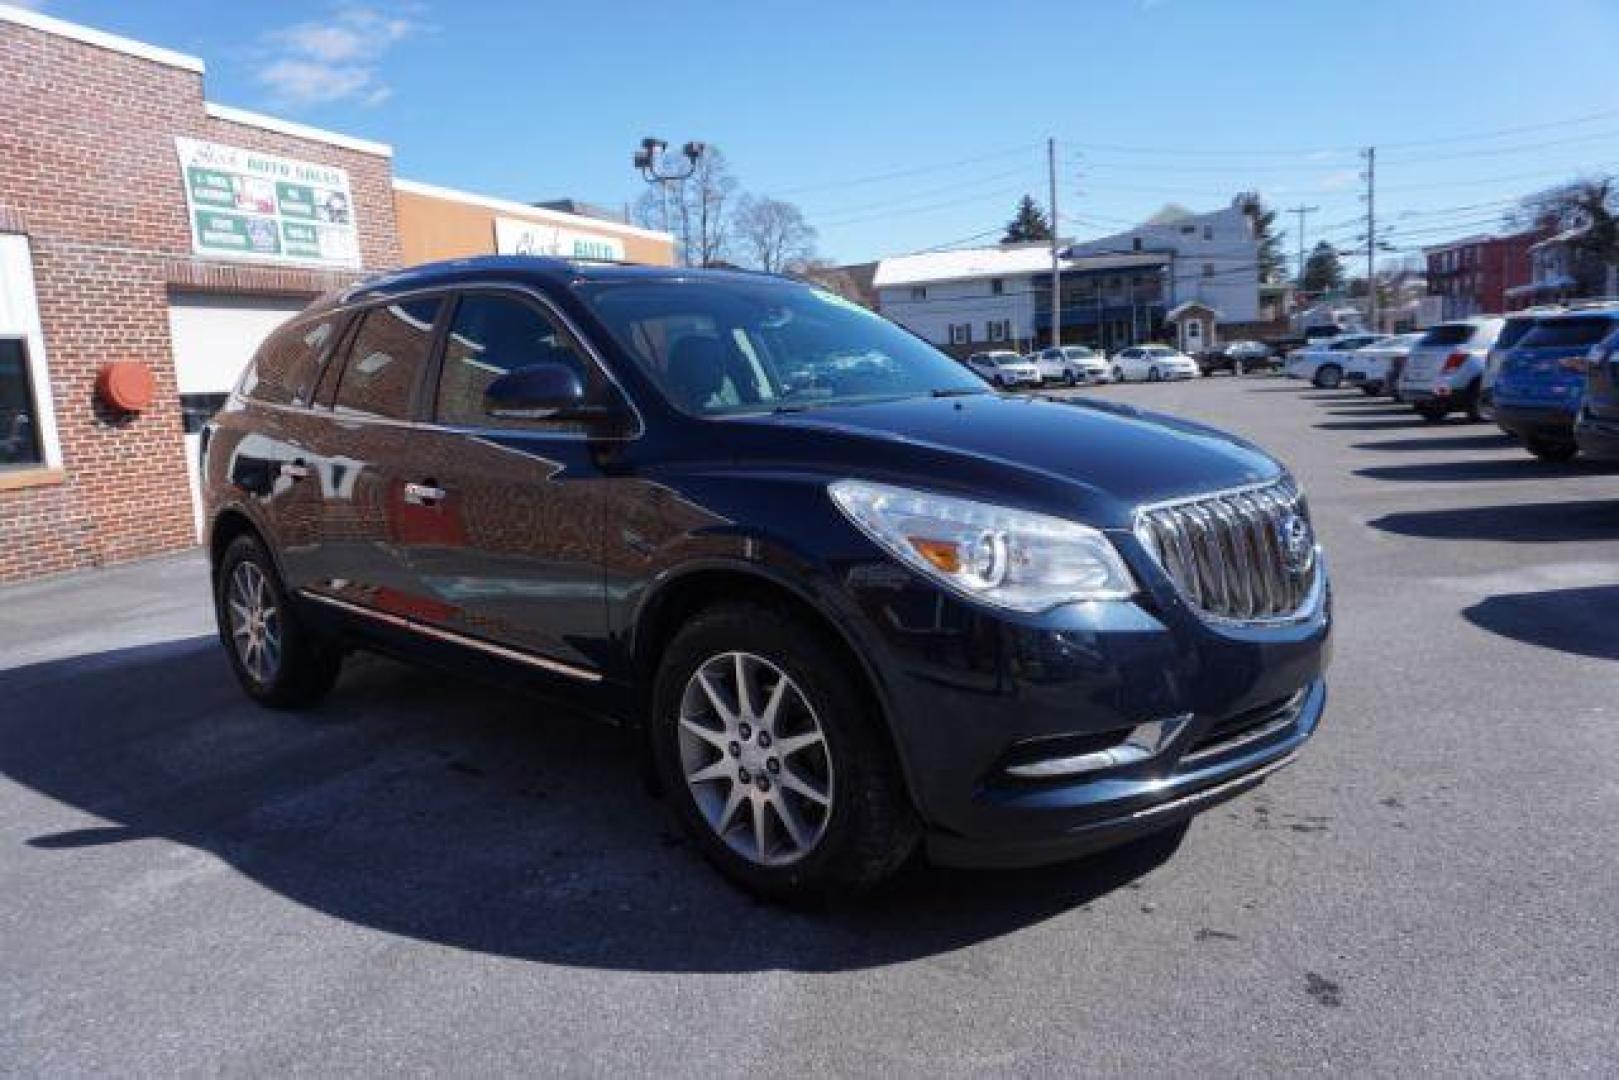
1449 334
1513 332
386 359
1578 331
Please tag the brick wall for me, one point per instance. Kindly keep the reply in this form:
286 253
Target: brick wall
88 165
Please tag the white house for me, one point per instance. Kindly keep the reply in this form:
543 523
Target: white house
978 297
1213 263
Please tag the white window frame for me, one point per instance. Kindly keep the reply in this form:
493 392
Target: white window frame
19 318
961 333
997 330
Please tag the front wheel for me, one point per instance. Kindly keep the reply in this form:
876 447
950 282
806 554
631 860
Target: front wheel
1068 378
278 660
775 758
1328 376
1118 374
1000 383
1550 449
1154 375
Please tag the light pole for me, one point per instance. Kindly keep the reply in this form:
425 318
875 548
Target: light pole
647 159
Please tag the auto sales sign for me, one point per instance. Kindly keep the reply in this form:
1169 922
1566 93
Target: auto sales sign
259 207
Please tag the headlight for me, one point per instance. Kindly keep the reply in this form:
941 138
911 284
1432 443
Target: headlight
1010 558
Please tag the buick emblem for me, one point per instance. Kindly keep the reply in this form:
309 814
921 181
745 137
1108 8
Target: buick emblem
1298 544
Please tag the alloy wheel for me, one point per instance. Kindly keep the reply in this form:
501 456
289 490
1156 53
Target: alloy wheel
755 758
255 622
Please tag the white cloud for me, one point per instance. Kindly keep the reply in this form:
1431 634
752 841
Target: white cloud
338 59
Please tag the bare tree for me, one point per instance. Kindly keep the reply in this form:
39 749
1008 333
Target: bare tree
1588 211
773 234
696 210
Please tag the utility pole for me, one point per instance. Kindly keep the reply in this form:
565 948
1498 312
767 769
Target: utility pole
1370 154
1056 264
1301 211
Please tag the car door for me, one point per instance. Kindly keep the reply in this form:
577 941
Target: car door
358 460
505 537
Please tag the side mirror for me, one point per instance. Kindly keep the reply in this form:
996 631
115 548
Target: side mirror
538 392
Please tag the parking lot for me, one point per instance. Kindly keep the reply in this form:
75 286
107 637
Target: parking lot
424 876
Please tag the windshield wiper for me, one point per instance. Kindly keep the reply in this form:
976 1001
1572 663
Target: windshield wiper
957 391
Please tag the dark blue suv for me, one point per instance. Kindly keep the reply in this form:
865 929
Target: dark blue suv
1543 378
1597 428
845 597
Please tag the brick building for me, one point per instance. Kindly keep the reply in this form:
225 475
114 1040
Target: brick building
1474 275
144 227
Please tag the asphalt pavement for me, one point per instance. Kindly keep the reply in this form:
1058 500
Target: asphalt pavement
423 876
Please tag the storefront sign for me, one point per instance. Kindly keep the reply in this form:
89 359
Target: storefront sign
516 237
248 205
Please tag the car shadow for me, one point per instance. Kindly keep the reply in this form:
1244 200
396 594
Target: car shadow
1529 523
1390 424
1524 468
1497 441
419 805
1577 621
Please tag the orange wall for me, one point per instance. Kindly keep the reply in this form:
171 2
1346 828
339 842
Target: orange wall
432 228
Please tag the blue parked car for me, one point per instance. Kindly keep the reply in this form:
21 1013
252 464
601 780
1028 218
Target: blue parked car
1542 380
1597 429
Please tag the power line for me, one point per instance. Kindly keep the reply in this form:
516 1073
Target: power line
902 173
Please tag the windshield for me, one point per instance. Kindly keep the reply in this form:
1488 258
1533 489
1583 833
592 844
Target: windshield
1077 352
1580 331
1158 350
717 348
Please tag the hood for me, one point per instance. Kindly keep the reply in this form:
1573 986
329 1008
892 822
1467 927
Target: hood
1094 460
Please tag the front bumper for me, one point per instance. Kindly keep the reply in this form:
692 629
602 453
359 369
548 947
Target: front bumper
1532 421
972 693
1597 438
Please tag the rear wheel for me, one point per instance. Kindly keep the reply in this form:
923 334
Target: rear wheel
1432 413
1154 375
774 758
1118 373
1068 378
1475 402
1550 449
1329 376
278 660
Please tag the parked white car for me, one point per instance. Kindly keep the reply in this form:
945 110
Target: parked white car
1004 368
1152 363
1445 371
1368 366
1324 364
1072 364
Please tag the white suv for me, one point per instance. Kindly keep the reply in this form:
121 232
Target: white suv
1445 370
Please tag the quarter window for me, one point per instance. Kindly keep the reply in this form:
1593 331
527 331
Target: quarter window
492 335
386 359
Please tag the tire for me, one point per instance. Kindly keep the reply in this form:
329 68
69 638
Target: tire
1328 376
1068 378
1550 449
1432 413
1369 389
868 829
1154 375
1000 382
1118 374
291 665
1475 402
1239 369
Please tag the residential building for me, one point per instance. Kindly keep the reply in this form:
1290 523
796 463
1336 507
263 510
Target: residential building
1474 275
1213 266
1563 268
149 241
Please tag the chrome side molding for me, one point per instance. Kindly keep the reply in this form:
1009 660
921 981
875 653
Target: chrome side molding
440 634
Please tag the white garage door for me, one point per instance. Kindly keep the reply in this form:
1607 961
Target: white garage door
214 336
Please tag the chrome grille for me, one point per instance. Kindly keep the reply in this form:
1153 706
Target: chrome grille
1247 554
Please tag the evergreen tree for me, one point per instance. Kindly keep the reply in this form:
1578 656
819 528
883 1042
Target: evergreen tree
1272 262
1323 272
1029 223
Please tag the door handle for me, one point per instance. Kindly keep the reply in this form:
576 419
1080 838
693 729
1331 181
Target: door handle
424 494
294 470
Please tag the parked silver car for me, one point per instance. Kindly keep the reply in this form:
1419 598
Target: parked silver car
1445 371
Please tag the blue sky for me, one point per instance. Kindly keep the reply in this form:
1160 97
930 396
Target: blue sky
1151 100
